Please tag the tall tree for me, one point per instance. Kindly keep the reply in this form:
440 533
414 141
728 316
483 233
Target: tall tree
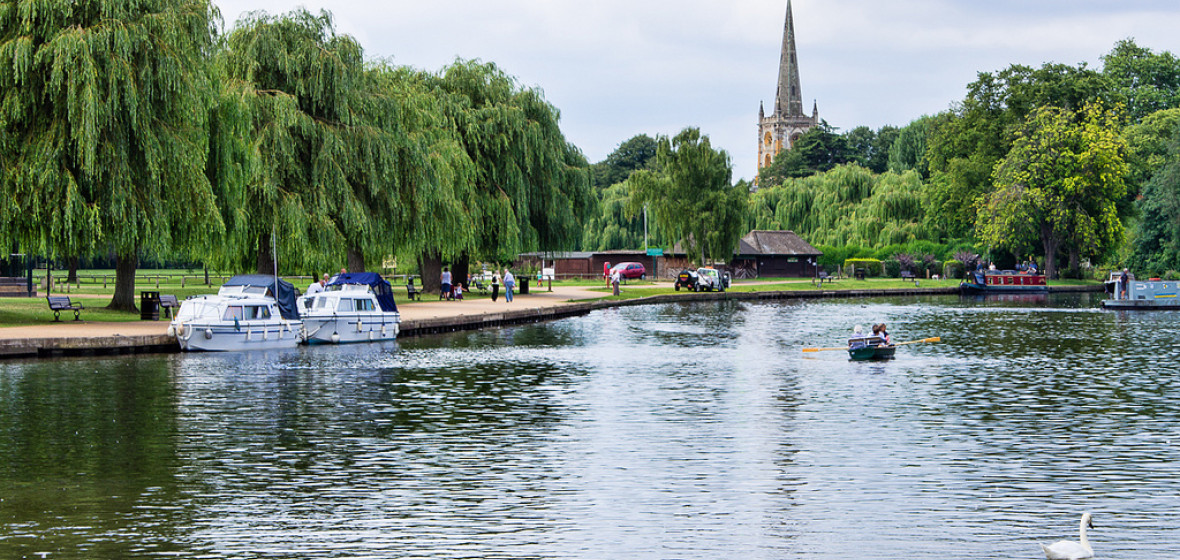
1059 185
1157 241
691 196
1147 81
965 143
530 188
328 163
635 153
102 137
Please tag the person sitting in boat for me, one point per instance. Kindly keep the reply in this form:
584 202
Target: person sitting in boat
1032 266
858 338
884 335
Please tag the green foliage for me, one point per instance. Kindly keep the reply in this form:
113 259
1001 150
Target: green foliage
616 227
848 205
1145 81
1156 248
872 267
531 188
637 152
690 195
870 149
817 150
908 149
1059 185
891 268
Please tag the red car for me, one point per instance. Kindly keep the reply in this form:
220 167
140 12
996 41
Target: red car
630 270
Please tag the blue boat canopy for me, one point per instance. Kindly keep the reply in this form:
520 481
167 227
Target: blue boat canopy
375 282
284 295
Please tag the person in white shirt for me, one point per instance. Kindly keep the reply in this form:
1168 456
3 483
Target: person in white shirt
446 283
509 283
318 286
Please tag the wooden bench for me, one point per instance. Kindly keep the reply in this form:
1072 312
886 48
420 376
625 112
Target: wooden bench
62 303
908 275
412 292
167 304
822 277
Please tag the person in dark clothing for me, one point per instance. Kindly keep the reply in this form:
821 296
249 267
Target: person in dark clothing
495 286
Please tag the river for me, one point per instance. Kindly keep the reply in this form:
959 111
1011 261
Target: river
686 431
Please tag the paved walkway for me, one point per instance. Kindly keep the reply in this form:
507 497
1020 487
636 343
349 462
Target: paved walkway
428 308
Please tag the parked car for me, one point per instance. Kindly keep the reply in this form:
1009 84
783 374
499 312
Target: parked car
687 279
710 279
630 270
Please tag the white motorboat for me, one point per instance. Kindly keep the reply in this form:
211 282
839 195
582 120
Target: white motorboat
244 315
354 307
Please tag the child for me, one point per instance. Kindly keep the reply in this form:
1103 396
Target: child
458 291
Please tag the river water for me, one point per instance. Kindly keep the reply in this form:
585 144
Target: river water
686 431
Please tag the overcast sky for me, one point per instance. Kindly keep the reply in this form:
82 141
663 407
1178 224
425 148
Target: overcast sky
617 68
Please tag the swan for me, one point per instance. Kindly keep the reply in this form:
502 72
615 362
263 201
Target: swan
1069 550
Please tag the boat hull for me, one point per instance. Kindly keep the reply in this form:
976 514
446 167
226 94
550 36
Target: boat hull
227 338
872 353
1150 294
350 329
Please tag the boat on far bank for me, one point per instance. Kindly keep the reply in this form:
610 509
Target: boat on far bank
1147 294
862 348
249 312
354 307
1003 281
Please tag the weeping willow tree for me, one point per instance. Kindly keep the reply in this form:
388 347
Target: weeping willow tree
616 226
102 136
848 205
691 196
328 166
529 187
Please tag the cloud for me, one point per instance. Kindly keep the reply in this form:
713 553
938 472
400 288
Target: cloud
616 68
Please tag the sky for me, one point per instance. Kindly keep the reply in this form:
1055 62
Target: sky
617 68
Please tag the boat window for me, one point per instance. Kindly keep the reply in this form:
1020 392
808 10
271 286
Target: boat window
257 312
364 305
344 305
233 312
321 303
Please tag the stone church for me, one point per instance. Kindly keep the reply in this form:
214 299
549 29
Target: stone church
779 130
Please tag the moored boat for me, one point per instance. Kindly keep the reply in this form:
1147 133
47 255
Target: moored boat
1149 294
250 311
1003 281
354 307
870 348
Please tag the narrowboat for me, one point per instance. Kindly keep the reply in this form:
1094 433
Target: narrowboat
870 348
249 312
354 307
1003 282
1149 294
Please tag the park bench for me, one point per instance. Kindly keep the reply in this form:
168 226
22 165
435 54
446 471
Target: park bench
412 292
167 304
62 303
822 277
909 275
479 286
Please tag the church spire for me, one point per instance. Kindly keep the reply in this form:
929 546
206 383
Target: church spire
788 102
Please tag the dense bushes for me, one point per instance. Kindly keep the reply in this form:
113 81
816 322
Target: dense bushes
872 267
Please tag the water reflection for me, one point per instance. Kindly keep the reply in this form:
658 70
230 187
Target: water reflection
672 431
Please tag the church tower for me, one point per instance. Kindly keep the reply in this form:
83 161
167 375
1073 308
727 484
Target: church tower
786 123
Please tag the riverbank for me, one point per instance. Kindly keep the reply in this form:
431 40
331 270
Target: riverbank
70 338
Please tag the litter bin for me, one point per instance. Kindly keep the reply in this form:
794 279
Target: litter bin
524 285
860 274
149 306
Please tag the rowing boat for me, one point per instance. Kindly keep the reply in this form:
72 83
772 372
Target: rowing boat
870 348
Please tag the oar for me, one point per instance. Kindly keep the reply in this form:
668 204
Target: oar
931 339
822 349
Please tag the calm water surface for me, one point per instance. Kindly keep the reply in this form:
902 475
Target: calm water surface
695 431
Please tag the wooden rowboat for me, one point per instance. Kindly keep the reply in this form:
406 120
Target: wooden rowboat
870 348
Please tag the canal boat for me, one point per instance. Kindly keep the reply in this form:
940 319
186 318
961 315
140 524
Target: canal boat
870 348
1003 281
354 307
1149 294
249 312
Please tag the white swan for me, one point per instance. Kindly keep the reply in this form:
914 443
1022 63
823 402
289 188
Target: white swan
1069 550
